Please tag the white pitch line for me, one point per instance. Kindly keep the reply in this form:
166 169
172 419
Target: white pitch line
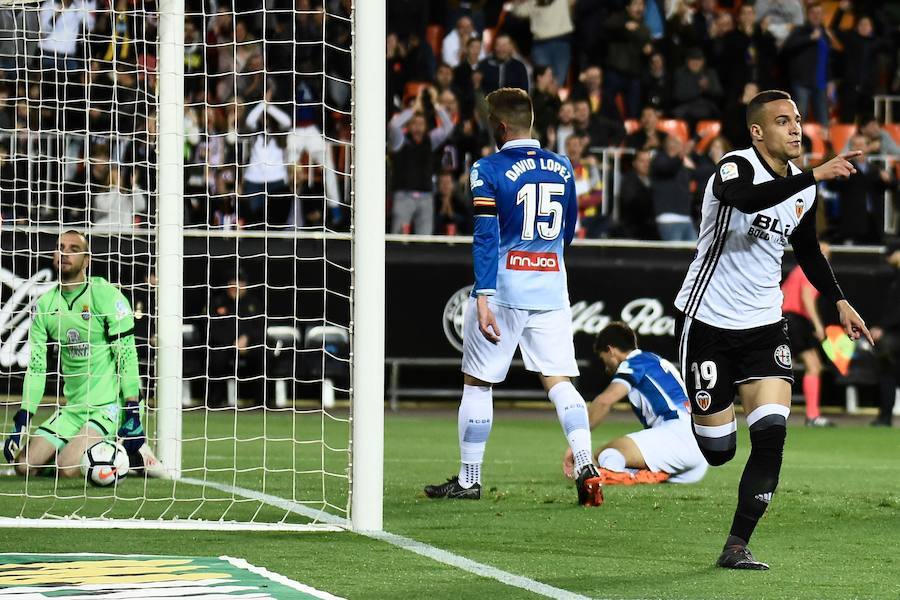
415 546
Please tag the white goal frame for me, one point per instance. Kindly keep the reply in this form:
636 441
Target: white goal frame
367 287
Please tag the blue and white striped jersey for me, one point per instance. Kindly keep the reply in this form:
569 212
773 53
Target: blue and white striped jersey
525 212
655 388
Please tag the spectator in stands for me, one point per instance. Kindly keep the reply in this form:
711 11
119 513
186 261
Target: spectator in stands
861 198
629 45
463 75
453 47
887 340
637 215
590 88
551 28
648 137
443 78
589 188
696 90
546 103
601 130
806 53
63 24
451 207
236 335
680 33
655 84
861 50
705 23
779 16
734 119
671 174
705 161
118 206
746 53
412 163
266 197
565 126
502 69
878 141
307 185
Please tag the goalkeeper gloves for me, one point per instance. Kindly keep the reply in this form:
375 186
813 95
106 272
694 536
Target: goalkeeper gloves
131 433
13 443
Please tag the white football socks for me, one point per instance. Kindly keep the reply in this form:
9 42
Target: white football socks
611 459
476 414
573 416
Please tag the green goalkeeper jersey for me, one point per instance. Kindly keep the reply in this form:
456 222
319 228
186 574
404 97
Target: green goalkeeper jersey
94 327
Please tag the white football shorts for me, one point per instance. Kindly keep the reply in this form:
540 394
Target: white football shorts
543 336
671 448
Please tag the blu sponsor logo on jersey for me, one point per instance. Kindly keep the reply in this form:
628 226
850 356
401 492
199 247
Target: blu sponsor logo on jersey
766 228
517 260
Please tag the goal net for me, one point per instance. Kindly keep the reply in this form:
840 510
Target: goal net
223 213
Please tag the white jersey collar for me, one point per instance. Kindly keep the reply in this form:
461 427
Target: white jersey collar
633 353
521 144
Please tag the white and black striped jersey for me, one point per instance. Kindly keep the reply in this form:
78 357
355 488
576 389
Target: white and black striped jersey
749 215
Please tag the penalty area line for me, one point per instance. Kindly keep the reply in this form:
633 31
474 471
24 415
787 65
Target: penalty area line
405 543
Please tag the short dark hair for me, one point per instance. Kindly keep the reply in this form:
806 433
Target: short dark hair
758 102
867 118
618 335
540 70
82 235
511 106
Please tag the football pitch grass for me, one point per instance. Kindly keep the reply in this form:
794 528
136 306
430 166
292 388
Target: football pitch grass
832 531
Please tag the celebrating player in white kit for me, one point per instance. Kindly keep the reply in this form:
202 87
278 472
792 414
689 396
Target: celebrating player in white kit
733 336
525 211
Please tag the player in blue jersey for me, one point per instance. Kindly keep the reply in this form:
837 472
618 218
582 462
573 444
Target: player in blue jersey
665 450
525 211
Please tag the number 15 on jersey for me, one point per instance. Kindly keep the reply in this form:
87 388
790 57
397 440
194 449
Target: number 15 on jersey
539 200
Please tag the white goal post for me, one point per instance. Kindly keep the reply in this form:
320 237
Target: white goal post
294 459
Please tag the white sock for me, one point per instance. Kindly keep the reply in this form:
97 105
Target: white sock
572 413
476 414
612 459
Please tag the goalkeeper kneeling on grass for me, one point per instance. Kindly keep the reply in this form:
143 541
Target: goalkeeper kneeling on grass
92 323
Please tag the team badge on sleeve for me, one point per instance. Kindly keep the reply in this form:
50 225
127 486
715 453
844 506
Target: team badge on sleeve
121 310
475 181
728 171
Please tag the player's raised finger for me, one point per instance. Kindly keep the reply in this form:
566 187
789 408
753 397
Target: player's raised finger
850 155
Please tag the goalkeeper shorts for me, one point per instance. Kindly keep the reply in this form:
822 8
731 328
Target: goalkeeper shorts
67 421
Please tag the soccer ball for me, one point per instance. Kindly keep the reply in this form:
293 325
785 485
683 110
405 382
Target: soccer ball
105 463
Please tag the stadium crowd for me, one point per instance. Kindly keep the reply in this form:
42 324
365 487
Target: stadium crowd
78 94
660 85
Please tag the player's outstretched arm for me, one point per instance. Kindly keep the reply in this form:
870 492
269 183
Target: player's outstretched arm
817 269
33 388
733 182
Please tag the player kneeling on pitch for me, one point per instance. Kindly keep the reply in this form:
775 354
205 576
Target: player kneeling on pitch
92 323
665 450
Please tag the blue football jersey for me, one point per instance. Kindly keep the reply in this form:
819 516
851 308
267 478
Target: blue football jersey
525 213
655 388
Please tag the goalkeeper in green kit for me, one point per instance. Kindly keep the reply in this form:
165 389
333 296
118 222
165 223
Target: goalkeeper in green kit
93 324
